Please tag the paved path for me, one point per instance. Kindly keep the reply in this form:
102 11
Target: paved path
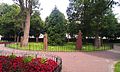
78 61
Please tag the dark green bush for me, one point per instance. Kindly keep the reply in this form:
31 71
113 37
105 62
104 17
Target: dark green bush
12 56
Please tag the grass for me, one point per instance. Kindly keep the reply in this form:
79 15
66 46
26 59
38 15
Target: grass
39 47
3 41
67 47
90 47
117 67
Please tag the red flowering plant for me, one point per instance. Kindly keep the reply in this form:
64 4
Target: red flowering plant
13 63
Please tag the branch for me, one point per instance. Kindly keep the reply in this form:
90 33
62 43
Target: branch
109 4
26 3
16 2
21 4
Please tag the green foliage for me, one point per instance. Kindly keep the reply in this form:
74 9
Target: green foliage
43 60
36 25
91 16
72 28
27 59
55 26
117 67
13 56
9 26
117 33
109 26
11 21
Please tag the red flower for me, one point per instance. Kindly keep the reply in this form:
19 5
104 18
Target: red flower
17 64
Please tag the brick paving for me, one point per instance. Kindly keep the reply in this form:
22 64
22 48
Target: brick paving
100 61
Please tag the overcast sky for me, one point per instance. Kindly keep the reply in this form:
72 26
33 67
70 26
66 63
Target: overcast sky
62 5
116 10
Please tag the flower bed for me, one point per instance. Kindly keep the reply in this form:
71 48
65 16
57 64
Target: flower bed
13 63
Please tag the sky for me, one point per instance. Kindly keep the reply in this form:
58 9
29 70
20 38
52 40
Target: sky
48 6
116 11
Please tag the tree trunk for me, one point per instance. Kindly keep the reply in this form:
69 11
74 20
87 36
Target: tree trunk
26 30
15 38
21 40
37 39
68 37
97 41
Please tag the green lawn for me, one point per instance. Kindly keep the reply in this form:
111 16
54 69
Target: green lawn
117 67
90 47
3 41
67 47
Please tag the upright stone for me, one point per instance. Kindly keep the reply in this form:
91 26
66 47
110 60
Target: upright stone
0 37
79 41
45 41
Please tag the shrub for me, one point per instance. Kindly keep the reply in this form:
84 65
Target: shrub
12 56
27 59
43 60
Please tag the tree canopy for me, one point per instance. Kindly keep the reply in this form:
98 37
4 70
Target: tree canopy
90 16
37 25
8 24
55 27
88 13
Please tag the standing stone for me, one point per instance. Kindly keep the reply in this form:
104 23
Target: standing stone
97 41
0 37
45 41
21 39
79 41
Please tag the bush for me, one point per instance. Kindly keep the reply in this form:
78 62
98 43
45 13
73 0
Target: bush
27 59
12 56
43 60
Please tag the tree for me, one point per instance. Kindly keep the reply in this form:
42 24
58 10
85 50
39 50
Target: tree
55 27
109 25
117 34
103 8
26 7
37 25
9 27
78 12
89 13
